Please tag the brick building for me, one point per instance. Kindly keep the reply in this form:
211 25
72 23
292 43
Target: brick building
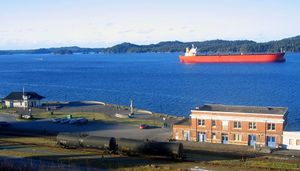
241 125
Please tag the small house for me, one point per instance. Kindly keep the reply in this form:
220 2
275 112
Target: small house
22 99
291 140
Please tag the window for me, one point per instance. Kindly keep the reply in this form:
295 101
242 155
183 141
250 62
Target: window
237 124
201 122
225 125
213 123
297 142
214 136
252 125
271 126
237 137
291 141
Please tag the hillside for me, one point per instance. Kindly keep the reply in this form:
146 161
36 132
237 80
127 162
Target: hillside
213 46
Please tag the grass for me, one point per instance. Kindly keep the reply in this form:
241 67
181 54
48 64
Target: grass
260 163
8 110
44 148
99 117
44 141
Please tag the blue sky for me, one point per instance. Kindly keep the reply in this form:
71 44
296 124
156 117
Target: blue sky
99 23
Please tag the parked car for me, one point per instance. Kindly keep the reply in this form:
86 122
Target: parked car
26 116
144 126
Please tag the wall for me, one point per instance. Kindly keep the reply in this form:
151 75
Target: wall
261 131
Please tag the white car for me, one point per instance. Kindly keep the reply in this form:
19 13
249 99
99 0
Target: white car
26 116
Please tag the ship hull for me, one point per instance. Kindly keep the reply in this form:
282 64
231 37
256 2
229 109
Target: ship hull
234 58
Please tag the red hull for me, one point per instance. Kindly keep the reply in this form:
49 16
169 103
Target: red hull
234 58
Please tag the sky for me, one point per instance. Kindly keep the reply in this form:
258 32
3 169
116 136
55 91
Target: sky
103 23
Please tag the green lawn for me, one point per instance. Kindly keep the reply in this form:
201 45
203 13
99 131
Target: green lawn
98 117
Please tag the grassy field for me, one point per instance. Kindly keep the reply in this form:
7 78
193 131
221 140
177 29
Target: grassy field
259 163
98 117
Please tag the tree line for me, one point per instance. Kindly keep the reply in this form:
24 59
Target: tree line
213 46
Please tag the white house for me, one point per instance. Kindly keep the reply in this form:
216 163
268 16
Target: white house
291 140
23 99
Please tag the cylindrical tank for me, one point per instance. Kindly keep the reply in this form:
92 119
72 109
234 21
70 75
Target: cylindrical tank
69 140
171 149
130 146
104 143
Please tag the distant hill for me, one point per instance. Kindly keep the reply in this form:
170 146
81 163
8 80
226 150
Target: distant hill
213 46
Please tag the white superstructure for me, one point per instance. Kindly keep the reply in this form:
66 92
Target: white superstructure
191 52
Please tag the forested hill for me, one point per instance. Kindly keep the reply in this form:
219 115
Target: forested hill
214 46
289 45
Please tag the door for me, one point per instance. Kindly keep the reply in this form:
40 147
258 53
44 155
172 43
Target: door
271 142
251 140
224 139
201 136
187 135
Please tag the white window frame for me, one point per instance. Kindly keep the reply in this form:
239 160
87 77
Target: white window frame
252 125
237 124
225 125
272 126
201 122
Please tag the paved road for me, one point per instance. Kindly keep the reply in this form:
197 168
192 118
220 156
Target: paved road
8 117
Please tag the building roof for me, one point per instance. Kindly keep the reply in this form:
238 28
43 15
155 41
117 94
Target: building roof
243 109
186 121
19 96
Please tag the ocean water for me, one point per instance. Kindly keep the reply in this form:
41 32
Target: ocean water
155 81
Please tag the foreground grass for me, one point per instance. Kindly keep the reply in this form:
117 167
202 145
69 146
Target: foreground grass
259 163
42 141
44 148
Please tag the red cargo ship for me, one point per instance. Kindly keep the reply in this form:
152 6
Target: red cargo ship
192 57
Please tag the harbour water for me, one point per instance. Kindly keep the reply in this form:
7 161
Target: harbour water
155 81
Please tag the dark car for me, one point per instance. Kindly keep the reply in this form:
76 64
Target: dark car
144 126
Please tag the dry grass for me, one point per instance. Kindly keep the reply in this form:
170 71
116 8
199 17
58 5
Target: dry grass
43 141
44 148
259 163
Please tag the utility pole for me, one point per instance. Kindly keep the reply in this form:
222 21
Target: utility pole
131 108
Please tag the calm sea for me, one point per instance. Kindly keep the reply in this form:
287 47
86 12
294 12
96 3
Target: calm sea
155 81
